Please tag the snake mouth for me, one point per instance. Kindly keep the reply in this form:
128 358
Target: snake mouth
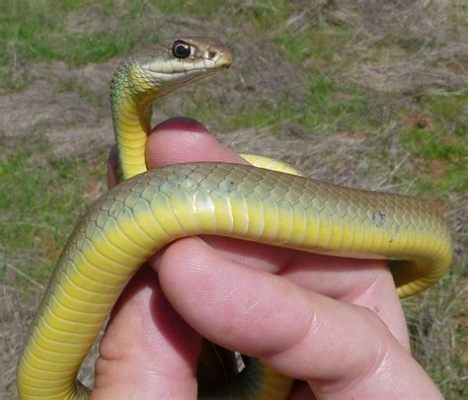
228 58
227 66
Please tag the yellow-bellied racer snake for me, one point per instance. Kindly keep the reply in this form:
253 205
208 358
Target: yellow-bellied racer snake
151 209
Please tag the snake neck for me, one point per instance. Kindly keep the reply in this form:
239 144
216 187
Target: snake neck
131 102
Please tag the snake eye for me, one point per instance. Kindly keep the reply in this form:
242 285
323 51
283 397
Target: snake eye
180 49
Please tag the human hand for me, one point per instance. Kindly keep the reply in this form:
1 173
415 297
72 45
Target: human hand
334 324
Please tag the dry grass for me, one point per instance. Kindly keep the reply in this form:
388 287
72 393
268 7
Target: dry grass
15 317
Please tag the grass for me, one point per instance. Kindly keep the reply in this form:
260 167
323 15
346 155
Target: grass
41 30
74 85
30 229
295 77
430 318
438 137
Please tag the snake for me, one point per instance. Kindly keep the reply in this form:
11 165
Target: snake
149 209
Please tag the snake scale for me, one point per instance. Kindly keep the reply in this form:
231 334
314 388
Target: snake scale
150 209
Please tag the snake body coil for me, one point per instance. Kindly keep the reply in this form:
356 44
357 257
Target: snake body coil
143 214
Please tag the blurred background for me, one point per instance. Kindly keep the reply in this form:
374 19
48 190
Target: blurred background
366 94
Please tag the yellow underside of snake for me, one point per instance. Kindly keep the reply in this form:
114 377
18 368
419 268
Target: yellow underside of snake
144 213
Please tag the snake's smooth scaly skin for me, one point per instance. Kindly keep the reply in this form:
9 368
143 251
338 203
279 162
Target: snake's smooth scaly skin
143 214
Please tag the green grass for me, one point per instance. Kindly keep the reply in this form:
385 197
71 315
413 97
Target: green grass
261 14
449 111
426 144
326 107
441 144
42 198
39 30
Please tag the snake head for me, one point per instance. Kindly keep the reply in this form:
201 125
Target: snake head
172 64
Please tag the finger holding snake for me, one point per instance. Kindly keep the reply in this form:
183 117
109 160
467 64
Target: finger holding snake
299 330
